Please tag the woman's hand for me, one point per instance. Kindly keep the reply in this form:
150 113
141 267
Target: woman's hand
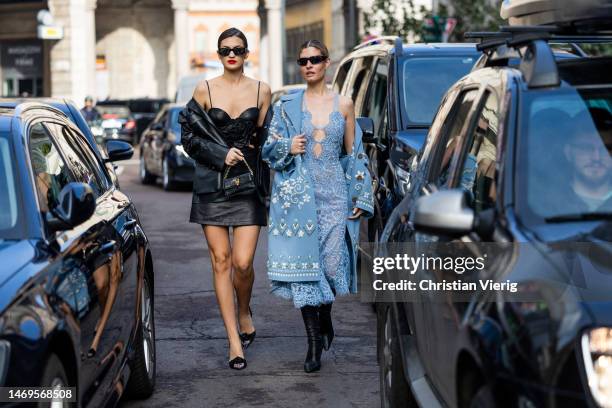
357 212
298 144
233 157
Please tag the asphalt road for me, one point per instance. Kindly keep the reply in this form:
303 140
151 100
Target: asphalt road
192 348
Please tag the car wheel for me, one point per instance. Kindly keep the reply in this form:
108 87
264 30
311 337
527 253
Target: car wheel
145 176
483 398
54 376
142 378
394 389
167 182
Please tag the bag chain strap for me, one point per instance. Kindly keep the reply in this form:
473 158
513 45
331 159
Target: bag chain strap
229 167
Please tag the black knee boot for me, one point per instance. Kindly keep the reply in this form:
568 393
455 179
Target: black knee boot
310 314
327 329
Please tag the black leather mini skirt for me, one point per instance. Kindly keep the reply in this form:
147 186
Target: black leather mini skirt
234 211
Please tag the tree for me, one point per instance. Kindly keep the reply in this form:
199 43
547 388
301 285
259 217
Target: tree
472 15
385 17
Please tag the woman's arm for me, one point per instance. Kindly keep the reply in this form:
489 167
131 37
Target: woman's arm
348 111
265 96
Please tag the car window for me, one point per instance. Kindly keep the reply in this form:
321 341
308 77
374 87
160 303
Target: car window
9 198
341 76
75 158
358 86
174 124
375 106
565 154
84 148
51 174
451 137
425 80
477 175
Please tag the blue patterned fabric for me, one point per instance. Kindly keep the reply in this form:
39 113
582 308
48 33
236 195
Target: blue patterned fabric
294 236
322 161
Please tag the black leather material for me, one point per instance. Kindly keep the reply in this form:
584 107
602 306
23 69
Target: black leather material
203 143
310 314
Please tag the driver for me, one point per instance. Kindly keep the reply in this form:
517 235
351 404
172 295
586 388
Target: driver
588 154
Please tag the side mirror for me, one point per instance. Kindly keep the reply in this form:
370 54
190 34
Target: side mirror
367 127
118 150
76 205
444 212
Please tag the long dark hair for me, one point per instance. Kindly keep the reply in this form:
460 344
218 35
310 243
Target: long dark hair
233 32
315 44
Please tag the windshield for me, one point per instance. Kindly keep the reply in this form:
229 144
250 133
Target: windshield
425 82
564 155
9 208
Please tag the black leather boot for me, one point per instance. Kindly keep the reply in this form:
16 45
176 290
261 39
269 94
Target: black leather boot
310 314
327 329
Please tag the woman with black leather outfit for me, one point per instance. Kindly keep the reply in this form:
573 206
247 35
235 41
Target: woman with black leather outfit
222 129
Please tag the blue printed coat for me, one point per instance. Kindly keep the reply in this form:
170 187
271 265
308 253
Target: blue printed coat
293 244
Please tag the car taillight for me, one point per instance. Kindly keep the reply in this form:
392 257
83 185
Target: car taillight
130 124
110 116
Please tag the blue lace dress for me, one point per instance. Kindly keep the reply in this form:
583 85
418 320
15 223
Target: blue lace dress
322 160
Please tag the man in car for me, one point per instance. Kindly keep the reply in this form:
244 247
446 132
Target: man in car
587 150
89 112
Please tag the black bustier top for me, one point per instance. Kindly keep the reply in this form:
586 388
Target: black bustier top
238 132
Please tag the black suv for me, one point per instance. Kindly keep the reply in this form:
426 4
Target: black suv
517 158
396 89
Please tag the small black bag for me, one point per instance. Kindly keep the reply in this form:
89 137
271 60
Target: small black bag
240 184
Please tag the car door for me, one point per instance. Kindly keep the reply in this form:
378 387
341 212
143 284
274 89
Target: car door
441 163
79 251
124 222
102 343
148 145
158 136
342 74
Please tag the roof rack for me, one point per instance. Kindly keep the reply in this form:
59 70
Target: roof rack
388 39
538 64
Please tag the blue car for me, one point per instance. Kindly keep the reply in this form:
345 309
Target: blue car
76 272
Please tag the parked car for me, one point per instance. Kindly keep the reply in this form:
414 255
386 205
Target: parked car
287 89
506 162
117 121
69 109
76 283
396 89
161 152
144 111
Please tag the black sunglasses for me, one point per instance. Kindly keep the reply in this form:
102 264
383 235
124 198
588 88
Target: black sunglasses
225 51
317 59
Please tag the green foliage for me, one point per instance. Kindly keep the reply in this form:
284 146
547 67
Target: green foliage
383 16
473 15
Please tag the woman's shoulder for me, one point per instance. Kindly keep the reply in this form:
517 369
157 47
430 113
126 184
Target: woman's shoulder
345 104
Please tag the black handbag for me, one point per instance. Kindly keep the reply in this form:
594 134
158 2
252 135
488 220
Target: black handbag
240 184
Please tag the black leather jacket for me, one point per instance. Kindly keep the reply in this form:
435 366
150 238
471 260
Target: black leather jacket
204 143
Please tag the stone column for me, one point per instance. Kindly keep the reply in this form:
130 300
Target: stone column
181 38
276 42
73 57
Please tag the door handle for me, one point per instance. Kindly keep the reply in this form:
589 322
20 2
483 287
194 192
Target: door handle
131 223
108 247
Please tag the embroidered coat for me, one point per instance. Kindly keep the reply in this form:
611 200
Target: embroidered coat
293 244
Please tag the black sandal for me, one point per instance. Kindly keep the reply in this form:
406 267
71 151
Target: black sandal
238 363
247 338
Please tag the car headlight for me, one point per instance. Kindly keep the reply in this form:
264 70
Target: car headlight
597 354
181 150
5 357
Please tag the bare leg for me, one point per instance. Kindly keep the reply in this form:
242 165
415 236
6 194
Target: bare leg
220 250
243 251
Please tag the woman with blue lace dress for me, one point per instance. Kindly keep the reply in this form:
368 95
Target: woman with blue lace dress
320 190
